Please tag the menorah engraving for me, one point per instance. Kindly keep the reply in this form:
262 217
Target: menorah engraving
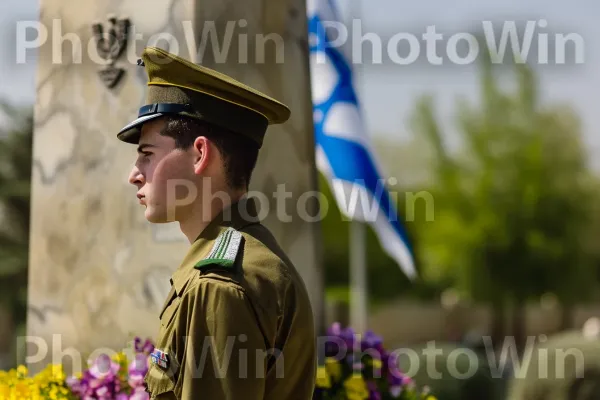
110 46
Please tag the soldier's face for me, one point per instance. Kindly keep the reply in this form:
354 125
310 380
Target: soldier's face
162 174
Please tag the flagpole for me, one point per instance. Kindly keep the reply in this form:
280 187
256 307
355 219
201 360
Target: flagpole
358 246
358 277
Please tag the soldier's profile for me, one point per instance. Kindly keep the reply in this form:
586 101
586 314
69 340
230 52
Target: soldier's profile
237 323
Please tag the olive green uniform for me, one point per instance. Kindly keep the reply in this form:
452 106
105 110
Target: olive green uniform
241 330
237 323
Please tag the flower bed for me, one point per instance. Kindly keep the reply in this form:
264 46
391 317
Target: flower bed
48 384
116 378
354 368
360 368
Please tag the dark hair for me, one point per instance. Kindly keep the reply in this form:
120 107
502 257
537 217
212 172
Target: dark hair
239 152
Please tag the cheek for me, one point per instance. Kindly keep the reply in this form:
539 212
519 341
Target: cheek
173 173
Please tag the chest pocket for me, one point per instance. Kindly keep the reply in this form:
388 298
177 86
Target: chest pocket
169 312
161 381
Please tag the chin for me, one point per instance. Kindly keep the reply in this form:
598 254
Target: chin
154 217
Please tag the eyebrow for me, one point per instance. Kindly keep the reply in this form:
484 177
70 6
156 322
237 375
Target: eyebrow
141 147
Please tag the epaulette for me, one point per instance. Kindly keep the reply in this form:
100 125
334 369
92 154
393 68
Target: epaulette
224 251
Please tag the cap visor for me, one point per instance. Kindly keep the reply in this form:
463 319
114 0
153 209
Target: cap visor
131 132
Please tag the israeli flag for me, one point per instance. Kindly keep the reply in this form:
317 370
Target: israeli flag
343 151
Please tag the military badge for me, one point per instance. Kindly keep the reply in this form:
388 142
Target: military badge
224 252
160 358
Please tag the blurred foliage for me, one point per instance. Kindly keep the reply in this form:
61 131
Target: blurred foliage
15 177
516 208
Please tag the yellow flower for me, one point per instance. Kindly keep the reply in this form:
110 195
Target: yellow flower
21 390
323 380
47 384
377 364
4 391
58 374
333 368
120 358
22 370
356 388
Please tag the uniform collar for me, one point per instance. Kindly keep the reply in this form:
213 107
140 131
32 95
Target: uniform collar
238 215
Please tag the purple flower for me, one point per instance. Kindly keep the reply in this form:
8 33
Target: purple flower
336 344
390 360
139 366
136 381
140 395
100 382
103 367
349 337
355 361
372 341
102 392
395 391
74 385
103 380
335 329
373 391
396 377
146 348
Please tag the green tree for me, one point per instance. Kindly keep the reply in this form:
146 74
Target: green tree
15 179
513 207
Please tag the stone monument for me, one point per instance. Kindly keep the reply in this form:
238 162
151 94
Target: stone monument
98 271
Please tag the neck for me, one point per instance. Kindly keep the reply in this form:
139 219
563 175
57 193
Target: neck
201 214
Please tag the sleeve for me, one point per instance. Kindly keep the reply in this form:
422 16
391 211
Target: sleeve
224 350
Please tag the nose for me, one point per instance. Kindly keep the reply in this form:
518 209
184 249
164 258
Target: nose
136 177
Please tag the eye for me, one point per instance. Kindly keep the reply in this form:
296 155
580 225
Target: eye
143 156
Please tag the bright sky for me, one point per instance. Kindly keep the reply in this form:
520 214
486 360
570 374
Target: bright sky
388 91
18 80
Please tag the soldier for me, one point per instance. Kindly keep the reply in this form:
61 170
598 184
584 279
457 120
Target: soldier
237 323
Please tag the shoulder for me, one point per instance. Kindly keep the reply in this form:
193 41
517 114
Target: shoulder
246 258
260 287
267 269
251 261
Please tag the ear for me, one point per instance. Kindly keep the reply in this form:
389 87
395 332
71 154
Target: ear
202 153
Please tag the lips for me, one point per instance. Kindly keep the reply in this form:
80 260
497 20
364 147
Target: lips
141 198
